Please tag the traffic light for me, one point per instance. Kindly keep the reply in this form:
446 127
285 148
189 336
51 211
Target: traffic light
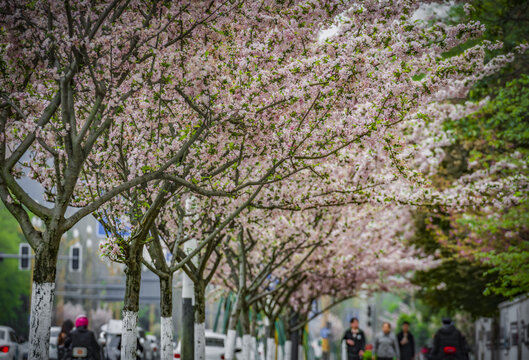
75 258
24 253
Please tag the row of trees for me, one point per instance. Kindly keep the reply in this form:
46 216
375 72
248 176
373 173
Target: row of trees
235 136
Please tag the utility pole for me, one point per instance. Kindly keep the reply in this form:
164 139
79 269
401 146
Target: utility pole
188 297
188 313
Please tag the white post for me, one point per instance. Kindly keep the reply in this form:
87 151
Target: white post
129 335
188 301
200 341
40 321
230 344
166 338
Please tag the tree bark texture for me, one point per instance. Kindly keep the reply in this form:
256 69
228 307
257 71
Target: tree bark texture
43 290
131 303
166 321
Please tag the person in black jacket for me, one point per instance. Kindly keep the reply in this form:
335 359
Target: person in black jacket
406 342
449 343
355 340
82 342
64 335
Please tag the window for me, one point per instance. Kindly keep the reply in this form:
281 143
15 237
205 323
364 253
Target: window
3 335
114 341
13 336
214 342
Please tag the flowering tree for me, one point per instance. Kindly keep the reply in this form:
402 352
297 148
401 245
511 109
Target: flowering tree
289 260
268 246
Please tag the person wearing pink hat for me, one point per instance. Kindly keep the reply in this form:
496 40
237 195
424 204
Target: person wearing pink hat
83 343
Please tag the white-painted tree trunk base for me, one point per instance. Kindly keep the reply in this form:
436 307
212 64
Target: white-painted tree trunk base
231 337
40 320
301 353
270 349
280 353
288 350
129 336
246 347
200 341
344 350
166 338
254 353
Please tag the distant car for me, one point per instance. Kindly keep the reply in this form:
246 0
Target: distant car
24 350
215 343
155 346
54 338
110 340
9 348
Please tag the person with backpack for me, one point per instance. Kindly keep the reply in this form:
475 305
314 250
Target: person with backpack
386 344
449 343
82 342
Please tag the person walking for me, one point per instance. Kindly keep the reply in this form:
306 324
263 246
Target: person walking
64 335
449 343
406 342
355 341
386 344
82 342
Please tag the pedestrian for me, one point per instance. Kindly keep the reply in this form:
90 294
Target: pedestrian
406 342
83 341
449 343
386 344
355 341
64 335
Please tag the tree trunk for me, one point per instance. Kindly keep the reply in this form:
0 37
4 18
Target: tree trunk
254 349
200 319
288 350
301 352
247 337
232 334
166 321
131 303
271 342
294 337
43 290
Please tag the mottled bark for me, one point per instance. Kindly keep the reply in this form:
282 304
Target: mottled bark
166 312
42 295
41 310
166 296
200 318
131 301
